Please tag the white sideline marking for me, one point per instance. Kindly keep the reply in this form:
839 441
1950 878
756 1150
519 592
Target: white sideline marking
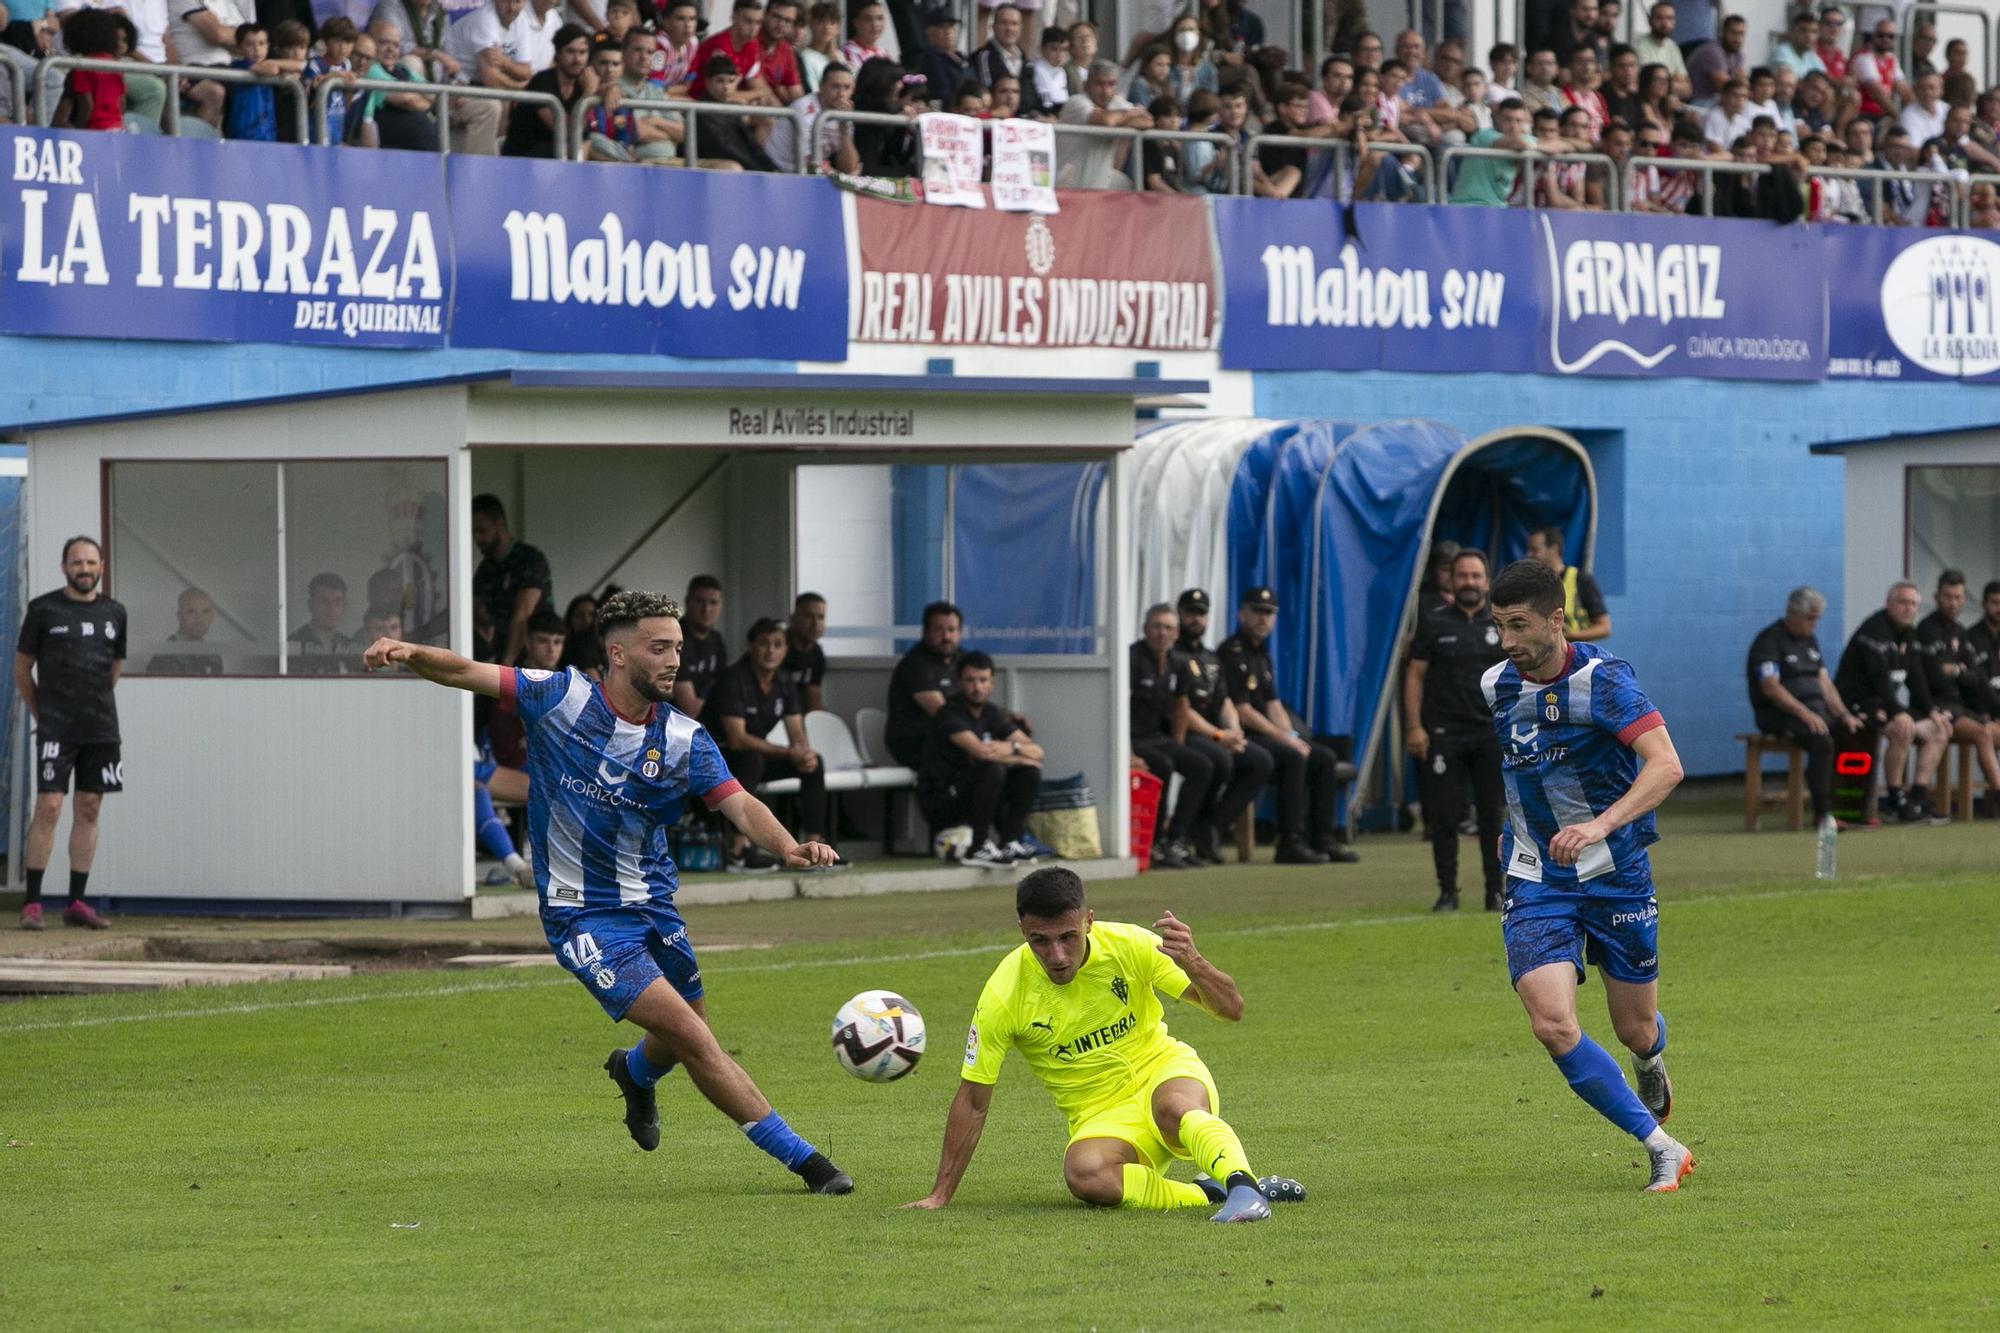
799 964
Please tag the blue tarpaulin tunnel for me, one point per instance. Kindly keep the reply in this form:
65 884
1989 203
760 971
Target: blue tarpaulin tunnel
1336 517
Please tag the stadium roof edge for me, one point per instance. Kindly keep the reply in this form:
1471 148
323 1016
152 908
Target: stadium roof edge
712 381
1901 437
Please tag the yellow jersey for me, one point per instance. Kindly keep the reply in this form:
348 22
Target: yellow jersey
1087 1041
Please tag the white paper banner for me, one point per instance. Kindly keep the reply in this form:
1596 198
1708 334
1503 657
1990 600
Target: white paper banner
954 152
1024 166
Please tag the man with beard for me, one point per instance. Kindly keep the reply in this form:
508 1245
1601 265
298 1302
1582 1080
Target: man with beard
66 664
609 767
1450 731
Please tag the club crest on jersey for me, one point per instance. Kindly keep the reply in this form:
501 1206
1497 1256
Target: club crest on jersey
1550 710
650 769
1120 989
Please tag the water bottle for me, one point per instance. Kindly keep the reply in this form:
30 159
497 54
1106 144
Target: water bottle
1823 859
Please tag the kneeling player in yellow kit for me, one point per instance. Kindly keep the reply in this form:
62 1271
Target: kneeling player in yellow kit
1080 999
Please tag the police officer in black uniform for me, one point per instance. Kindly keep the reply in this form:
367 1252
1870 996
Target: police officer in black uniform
1309 772
750 698
1450 729
1159 721
1793 695
1215 730
66 665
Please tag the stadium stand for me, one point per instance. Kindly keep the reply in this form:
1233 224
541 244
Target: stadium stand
1799 115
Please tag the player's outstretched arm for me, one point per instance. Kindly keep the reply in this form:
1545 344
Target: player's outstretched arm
1209 987
757 823
1659 773
962 1128
440 665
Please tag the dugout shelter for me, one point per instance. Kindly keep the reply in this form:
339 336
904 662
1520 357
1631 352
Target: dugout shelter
259 773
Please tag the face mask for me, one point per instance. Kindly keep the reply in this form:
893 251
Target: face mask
1187 41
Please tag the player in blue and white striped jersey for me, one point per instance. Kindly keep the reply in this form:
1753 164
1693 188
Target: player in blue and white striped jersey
1586 759
610 766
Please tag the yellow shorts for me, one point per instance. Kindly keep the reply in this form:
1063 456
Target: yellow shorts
1130 1117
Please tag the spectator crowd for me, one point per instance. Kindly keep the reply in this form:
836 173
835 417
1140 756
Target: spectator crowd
1647 109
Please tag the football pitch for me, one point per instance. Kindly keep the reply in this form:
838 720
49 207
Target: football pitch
442 1150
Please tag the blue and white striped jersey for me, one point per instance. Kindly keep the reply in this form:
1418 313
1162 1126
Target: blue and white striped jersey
1566 757
603 790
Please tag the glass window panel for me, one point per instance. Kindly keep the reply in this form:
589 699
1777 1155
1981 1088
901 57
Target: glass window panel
364 556
193 558
1954 523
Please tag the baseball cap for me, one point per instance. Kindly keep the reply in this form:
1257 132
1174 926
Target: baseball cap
1194 599
1263 599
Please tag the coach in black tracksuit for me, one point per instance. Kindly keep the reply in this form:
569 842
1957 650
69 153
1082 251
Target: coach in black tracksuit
1450 729
1881 677
1792 695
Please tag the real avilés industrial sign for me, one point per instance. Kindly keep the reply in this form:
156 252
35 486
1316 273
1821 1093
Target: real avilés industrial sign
821 423
106 235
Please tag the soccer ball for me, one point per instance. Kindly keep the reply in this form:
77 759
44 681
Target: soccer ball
878 1036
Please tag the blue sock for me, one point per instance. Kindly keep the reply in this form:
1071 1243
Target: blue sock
1594 1076
641 1069
1660 1045
775 1137
491 829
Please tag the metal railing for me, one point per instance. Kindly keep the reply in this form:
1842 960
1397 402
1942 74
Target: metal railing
1114 132
1614 193
886 119
1957 192
1341 150
170 112
23 113
324 90
689 114
1222 143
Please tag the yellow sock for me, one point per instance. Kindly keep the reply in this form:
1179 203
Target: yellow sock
1212 1145
1148 1189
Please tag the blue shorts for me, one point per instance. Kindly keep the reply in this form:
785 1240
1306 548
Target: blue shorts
1618 933
616 952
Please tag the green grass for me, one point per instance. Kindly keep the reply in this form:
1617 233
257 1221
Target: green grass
238 1159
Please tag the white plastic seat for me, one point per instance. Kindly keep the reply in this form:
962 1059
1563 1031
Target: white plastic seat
881 773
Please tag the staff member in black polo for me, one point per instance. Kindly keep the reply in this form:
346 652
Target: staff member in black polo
1159 719
1957 687
805 660
750 698
1309 773
922 681
705 652
1881 676
981 770
66 665
1792 694
1215 730
1450 730
1982 648
512 581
